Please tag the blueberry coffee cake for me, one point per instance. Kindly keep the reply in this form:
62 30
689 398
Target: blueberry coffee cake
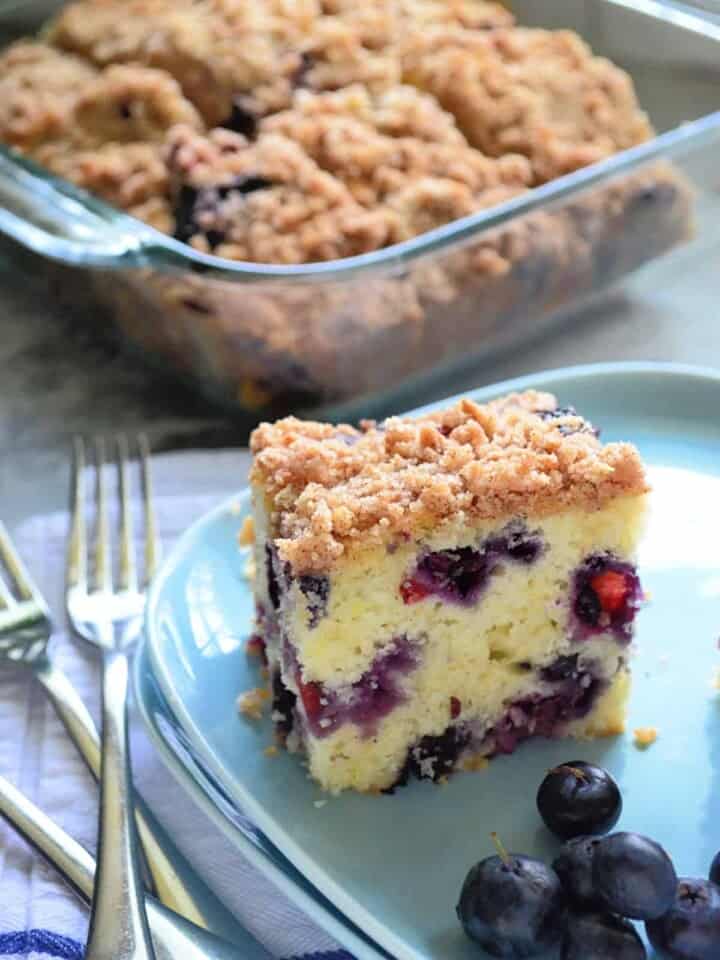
317 130
286 133
431 592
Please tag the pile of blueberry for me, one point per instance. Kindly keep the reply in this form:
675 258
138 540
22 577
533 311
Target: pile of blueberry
516 906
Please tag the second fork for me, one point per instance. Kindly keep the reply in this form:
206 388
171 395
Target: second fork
111 619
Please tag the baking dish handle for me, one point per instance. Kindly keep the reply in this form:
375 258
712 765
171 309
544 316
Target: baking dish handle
60 221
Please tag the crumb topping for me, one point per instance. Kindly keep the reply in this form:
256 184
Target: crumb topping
502 87
331 488
368 124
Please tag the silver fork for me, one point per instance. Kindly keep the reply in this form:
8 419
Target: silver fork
111 619
174 937
25 629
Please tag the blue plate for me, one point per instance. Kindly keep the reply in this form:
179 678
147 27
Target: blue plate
180 758
394 865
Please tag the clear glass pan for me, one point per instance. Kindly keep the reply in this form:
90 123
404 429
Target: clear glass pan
384 328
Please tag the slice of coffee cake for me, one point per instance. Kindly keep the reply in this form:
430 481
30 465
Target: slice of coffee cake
432 591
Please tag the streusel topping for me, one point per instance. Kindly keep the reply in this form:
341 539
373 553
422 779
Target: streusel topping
404 115
332 488
540 93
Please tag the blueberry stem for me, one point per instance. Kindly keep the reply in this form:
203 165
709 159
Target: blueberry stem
502 852
575 771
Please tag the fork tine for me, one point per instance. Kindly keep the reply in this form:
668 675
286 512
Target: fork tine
153 548
18 571
128 573
103 573
77 549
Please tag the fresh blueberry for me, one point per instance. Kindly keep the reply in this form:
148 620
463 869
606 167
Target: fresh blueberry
579 798
574 867
690 930
634 876
600 936
512 905
715 870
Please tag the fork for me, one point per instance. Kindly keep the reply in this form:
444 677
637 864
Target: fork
25 630
111 619
174 937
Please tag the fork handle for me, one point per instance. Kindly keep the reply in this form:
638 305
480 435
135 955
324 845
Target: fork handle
174 937
177 885
118 923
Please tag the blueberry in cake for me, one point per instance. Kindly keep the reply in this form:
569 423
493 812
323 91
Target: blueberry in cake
431 592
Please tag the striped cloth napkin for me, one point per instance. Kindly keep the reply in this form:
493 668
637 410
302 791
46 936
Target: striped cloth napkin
40 917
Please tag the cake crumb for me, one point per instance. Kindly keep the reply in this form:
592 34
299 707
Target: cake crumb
319 804
473 764
645 737
252 703
271 751
246 536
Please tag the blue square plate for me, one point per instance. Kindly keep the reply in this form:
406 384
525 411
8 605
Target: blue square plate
394 865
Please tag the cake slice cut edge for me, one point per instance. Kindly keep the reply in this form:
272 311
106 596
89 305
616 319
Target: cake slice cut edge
431 592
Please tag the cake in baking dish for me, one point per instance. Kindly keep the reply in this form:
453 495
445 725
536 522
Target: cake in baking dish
432 591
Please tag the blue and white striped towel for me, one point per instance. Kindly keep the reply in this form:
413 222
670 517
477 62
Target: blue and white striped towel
40 917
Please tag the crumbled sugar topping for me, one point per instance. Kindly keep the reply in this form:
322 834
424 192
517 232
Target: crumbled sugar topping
645 736
330 488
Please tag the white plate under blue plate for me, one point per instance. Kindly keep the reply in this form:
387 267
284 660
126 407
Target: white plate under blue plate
394 865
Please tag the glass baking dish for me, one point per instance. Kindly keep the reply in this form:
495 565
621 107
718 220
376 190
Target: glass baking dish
367 333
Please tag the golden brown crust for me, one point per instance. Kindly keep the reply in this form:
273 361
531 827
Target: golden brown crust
335 488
